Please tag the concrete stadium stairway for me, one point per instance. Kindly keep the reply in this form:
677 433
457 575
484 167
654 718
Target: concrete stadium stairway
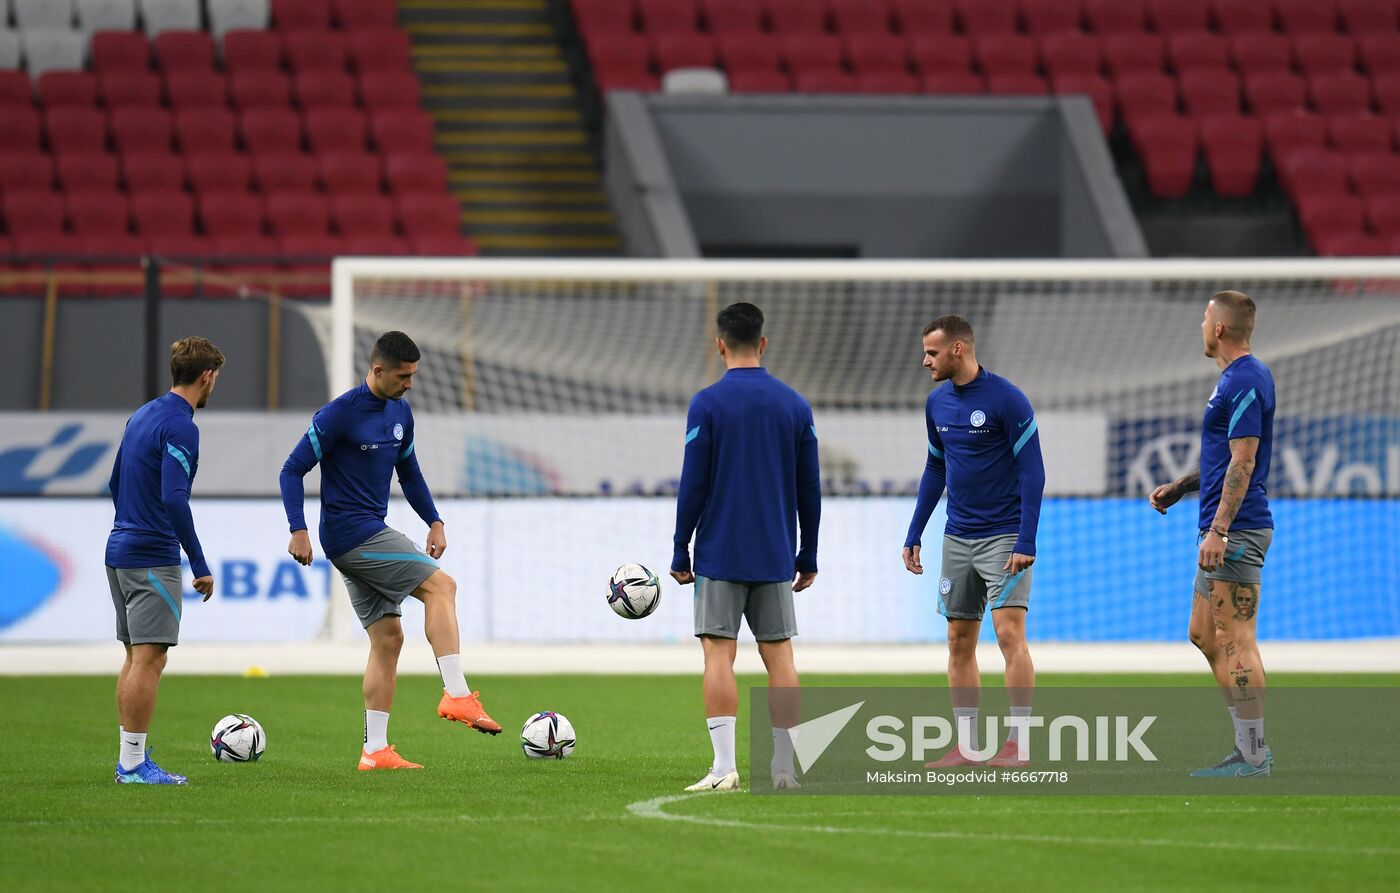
509 124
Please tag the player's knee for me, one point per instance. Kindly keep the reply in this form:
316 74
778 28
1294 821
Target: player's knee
1011 641
961 643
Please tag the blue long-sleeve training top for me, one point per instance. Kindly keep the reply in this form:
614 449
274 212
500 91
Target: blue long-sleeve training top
983 445
1242 405
150 484
750 478
359 441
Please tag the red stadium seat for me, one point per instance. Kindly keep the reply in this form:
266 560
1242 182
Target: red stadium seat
78 171
1359 132
401 130
1275 91
1210 91
185 51
1129 53
862 16
954 83
26 172
377 245
941 53
1380 53
33 212
1387 88
1375 173
428 212
1175 16
316 51
759 80
924 16
1333 93
285 172
335 130
981 17
868 53
614 51
354 15
390 90
363 214
230 214
1307 16
294 15
1264 51
1289 132
609 79
888 80
1351 244
1017 84
119 51
1369 16
97 213
1311 171
219 172
163 213
662 16
1232 145
176 245
824 80
597 17
1325 54
15 88
1116 16
270 130
195 88
320 89
1167 144
796 16
1147 94
1001 54
74 129
152 171
748 51
260 89
1071 53
443 245
1051 16
1325 213
811 52
680 49
1096 88
381 51
129 88
416 172
1198 49
241 261
299 213
67 89
733 16
205 130
1383 213
306 246
249 50
350 173
1242 15
141 129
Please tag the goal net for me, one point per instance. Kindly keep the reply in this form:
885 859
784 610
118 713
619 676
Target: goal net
550 408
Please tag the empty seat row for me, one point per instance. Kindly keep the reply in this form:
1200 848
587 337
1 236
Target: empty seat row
222 15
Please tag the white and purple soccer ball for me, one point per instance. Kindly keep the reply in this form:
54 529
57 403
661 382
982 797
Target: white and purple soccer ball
547 736
237 738
633 592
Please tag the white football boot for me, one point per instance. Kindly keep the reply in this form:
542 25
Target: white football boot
713 782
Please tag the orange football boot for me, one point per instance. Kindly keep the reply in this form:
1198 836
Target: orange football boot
388 758
468 711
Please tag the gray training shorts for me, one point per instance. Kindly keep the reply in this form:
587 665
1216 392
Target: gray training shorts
381 572
974 577
1244 559
720 604
147 600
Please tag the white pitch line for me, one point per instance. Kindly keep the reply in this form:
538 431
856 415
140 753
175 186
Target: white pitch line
654 809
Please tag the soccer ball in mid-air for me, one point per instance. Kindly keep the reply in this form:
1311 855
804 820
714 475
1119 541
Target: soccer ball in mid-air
633 592
237 738
547 735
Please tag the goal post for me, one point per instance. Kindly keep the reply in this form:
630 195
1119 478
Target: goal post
544 381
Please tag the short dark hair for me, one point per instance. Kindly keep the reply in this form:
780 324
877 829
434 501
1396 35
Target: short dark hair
1237 312
396 348
953 327
740 325
192 357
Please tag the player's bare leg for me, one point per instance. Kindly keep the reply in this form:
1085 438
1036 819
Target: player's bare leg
1010 624
381 679
784 708
137 686
721 696
965 686
1202 634
459 703
1239 668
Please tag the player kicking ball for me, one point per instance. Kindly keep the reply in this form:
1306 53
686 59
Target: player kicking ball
983 446
150 485
360 440
1236 527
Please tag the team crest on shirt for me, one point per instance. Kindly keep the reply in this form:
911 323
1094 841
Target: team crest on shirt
398 431
945 586
979 418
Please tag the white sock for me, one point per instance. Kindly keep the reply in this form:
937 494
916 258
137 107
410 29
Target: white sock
376 730
966 720
1234 717
450 666
1015 735
722 739
1249 738
133 752
782 752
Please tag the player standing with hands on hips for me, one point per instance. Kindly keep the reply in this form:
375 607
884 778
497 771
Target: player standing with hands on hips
983 447
1236 526
150 485
750 477
360 440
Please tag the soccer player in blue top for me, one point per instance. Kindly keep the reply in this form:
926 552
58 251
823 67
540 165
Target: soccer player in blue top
750 477
1236 527
150 485
361 439
983 446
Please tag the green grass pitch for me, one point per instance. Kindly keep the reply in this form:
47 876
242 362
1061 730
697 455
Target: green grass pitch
481 816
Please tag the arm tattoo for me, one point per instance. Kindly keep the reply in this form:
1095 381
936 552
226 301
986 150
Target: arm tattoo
1188 483
1232 493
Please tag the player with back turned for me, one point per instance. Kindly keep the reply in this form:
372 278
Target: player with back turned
750 477
150 485
360 440
1236 526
